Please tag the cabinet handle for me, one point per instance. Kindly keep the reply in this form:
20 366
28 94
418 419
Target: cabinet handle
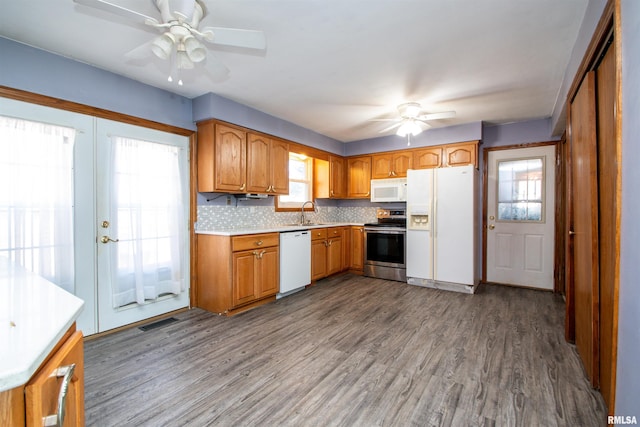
361 230
243 185
262 253
258 255
332 193
326 243
259 243
330 242
58 419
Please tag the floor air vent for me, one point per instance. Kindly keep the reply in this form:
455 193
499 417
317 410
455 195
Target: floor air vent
158 324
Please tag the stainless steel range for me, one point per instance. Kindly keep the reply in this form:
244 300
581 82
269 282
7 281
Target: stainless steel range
385 245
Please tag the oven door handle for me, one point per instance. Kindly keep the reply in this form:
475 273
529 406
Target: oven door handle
384 231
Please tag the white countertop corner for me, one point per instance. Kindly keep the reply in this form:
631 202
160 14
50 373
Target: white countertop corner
34 316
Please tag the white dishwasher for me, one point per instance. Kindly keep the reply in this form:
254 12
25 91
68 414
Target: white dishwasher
295 261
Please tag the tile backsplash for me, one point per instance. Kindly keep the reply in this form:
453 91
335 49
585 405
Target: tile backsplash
233 217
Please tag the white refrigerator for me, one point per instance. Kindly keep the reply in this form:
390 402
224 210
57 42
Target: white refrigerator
442 228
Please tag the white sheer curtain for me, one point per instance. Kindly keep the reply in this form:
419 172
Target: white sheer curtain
147 217
36 198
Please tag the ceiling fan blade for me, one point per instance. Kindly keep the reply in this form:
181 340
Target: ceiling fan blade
384 120
437 116
251 39
118 10
395 125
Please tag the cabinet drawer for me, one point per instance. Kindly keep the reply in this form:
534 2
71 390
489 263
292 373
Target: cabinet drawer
334 232
254 241
318 233
42 392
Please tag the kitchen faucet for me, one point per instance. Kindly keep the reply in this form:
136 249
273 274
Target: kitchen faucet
302 218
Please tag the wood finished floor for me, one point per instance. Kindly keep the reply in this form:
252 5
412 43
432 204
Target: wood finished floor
350 351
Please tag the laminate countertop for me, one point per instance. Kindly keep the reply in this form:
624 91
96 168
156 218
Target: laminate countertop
34 316
239 231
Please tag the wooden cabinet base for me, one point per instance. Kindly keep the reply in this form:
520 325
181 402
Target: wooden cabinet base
28 405
249 306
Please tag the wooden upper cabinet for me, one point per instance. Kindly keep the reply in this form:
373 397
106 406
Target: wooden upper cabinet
279 166
337 178
221 158
267 165
230 166
461 154
359 177
427 158
391 165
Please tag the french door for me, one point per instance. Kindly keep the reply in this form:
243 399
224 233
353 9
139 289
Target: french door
135 179
142 227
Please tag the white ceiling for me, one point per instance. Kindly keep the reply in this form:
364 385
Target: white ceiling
332 65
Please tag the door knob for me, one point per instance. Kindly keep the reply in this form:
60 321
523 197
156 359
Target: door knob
107 239
491 226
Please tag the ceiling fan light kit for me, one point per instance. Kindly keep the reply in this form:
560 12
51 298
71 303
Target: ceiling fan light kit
181 39
409 127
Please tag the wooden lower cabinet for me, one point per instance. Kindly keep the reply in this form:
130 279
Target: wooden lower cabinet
38 400
318 253
236 273
327 252
357 249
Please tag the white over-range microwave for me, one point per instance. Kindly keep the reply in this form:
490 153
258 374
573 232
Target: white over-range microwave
389 190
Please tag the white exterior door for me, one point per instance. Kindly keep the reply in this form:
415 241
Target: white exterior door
142 223
520 216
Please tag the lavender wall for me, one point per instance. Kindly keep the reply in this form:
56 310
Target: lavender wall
214 106
628 376
41 72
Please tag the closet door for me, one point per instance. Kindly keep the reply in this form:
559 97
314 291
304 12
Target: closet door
609 237
584 224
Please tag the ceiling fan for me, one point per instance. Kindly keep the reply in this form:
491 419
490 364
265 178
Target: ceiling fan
413 120
182 39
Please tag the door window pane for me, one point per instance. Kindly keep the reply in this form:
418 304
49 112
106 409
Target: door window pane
520 190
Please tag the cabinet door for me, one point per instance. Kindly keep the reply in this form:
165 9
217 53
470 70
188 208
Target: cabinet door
41 393
357 248
279 167
230 159
359 173
400 162
381 166
258 164
461 154
337 178
267 273
334 256
346 248
427 158
244 289
318 259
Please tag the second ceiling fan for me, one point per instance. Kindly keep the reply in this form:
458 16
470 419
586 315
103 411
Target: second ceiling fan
413 120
